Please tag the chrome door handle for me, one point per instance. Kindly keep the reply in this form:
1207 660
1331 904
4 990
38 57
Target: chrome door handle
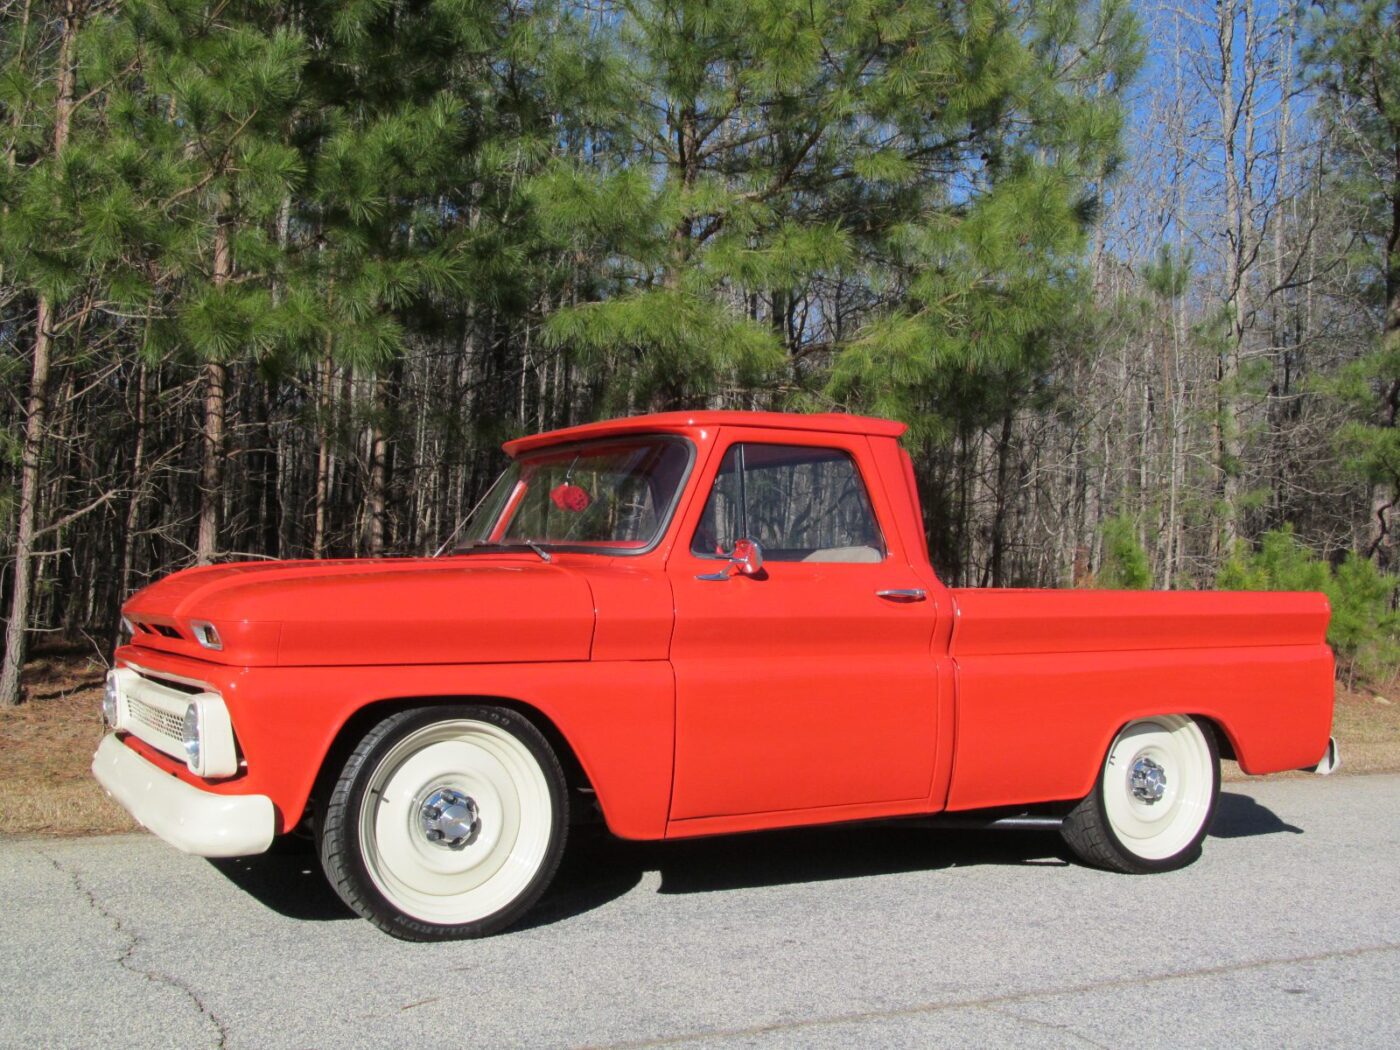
902 594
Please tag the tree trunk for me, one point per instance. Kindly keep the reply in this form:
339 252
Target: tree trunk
1236 116
1380 539
269 471
211 484
16 636
376 490
138 488
998 554
17 627
323 451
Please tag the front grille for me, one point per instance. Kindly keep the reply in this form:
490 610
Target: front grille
161 721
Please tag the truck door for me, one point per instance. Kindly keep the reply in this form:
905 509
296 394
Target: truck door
810 683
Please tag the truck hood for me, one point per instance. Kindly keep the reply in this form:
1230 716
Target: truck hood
464 609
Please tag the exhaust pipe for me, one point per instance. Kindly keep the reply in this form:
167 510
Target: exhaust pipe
1331 759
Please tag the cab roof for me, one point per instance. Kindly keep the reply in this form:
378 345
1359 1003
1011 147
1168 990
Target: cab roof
681 422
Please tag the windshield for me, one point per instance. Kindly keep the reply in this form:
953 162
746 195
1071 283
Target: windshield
615 494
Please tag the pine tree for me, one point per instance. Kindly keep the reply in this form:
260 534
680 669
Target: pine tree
221 93
1006 126
68 214
1125 566
697 170
1354 57
403 154
880 206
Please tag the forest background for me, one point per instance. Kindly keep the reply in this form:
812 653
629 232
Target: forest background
277 277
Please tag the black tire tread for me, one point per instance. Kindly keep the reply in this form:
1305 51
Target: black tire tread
1086 833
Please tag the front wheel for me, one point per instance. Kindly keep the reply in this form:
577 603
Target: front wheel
1153 803
446 822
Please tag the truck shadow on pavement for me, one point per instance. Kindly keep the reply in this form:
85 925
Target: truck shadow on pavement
288 880
598 868
1239 816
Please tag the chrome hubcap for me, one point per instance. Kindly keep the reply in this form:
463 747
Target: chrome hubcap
1149 781
449 818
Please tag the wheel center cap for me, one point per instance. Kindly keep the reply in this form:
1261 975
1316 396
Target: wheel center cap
449 818
1148 781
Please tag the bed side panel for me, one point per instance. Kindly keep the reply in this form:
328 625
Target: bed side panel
1047 678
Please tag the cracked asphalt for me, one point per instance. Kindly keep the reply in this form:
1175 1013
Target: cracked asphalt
1286 932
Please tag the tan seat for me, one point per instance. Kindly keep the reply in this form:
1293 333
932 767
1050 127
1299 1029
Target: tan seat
863 555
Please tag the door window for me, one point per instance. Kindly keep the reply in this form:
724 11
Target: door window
799 503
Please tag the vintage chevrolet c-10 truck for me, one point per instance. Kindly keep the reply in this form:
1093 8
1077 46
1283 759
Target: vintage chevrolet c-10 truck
693 623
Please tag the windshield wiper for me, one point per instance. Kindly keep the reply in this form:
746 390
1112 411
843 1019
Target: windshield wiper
519 545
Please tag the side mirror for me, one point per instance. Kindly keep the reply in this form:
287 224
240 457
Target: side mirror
746 559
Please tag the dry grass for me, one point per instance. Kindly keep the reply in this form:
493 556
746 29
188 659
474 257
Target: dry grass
46 747
1366 724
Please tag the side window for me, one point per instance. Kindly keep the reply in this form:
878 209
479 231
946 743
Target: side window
800 504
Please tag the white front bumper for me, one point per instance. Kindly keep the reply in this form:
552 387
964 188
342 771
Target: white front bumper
198 822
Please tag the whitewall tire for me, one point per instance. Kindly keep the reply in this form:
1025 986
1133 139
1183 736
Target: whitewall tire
1155 796
446 822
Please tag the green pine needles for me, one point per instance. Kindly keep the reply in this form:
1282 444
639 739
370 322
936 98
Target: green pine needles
931 165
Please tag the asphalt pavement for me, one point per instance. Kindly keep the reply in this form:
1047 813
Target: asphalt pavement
1286 932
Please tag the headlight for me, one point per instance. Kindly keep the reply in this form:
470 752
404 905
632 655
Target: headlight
192 736
109 699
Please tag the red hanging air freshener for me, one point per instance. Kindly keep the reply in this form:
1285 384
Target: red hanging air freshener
570 497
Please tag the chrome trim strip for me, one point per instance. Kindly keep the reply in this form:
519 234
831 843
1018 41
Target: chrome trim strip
146 672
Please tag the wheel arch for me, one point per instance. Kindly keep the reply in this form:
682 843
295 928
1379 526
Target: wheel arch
370 714
1224 742
1110 730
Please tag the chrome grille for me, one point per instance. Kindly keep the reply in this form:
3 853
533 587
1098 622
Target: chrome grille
161 721
153 708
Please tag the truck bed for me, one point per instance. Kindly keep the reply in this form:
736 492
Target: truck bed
1046 678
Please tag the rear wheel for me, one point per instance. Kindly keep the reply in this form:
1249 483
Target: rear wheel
446 822
1153 803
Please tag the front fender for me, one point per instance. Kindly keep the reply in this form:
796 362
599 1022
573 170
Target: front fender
618 717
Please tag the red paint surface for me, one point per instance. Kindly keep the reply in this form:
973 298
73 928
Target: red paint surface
793 696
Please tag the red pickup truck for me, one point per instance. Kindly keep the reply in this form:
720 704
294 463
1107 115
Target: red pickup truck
692 623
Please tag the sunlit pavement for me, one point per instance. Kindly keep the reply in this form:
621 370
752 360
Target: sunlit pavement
1287 931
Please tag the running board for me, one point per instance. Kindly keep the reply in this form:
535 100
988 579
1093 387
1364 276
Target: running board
973 822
